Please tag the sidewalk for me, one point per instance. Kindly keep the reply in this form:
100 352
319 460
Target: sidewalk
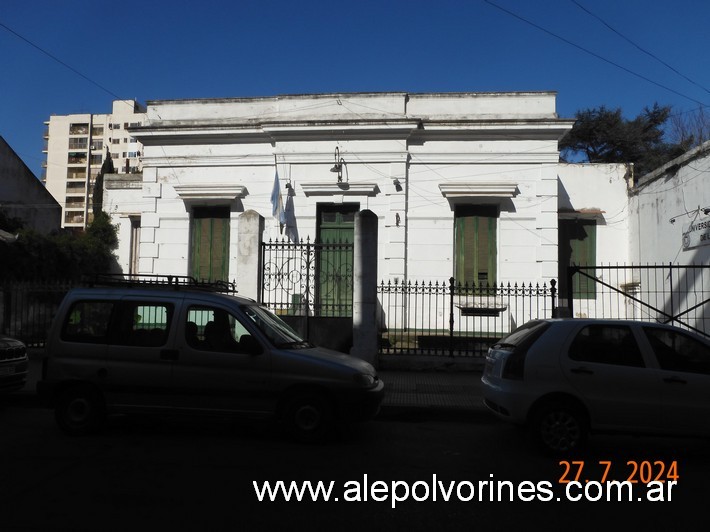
432 392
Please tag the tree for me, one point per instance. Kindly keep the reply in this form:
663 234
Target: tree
63 255
691 129
603 135
9 223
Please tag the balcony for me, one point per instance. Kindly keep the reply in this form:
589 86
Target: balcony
74 218
78 143
76 158
79 129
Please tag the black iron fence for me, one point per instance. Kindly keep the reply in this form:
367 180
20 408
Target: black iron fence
440 318
27 308
678 294
310 280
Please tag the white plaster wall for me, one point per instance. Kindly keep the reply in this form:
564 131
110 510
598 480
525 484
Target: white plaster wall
492 104
120 204
527 228
420 245
600 187
258 180
680 193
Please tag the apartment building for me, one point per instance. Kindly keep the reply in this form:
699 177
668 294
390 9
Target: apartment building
76 146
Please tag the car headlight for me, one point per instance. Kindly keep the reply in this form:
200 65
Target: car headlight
365 379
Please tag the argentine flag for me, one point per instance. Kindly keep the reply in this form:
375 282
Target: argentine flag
277 206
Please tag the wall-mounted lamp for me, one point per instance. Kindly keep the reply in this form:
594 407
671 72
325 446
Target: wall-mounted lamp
397 184
339 164
705 211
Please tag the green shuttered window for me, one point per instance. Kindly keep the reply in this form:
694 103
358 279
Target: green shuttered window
476 245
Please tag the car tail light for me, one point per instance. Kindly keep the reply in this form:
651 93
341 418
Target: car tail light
514 364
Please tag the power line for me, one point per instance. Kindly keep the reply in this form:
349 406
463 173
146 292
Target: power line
594 54
54 58
638 46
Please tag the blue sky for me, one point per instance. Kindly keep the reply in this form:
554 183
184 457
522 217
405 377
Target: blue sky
591 52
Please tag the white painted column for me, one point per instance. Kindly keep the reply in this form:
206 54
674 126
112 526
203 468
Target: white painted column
365 287
249 263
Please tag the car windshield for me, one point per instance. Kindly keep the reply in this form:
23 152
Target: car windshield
275 329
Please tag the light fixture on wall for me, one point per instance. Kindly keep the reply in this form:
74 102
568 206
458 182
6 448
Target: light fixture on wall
705 211
339 164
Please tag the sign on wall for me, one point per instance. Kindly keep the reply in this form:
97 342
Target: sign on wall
696 234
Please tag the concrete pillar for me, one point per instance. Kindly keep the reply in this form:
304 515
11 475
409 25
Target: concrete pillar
249 266
365 287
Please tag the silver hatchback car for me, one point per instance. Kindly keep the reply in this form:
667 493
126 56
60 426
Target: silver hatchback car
567 378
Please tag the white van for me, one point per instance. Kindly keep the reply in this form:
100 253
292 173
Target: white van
181 349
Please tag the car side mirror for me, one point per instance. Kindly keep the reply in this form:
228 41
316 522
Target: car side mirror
249 344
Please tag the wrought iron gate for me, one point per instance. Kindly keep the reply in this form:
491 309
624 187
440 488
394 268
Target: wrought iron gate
308 278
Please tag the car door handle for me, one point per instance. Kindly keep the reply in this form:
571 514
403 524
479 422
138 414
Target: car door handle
169 354
675 380
584 371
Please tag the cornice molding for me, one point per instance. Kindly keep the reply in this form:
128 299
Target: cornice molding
340 189
479 190
201 191
262 159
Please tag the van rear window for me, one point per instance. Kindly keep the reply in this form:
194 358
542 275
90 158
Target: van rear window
88 321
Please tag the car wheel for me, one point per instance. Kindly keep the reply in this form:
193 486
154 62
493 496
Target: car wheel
560 428
309 417
79 411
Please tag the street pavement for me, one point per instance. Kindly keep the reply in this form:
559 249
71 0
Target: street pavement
447 390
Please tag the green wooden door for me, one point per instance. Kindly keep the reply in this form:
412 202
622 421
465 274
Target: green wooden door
334 276
577 247
210 244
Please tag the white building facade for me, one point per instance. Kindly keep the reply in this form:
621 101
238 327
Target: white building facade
464 185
